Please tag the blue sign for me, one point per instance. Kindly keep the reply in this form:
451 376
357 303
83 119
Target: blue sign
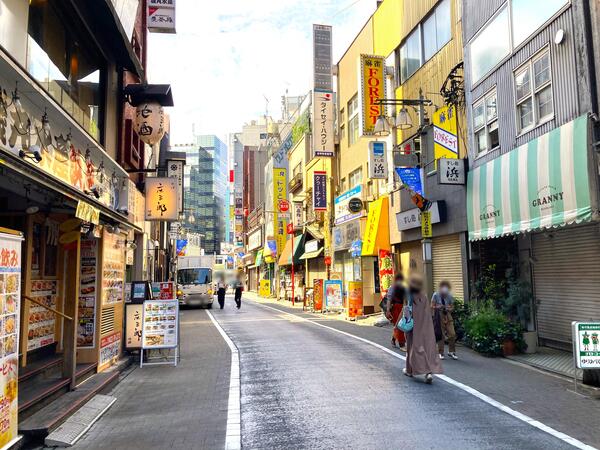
411 176
356 248
181 247
378 149
320 191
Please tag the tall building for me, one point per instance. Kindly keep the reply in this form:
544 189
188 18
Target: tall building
206 199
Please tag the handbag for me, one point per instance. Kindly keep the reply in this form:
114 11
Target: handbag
407 323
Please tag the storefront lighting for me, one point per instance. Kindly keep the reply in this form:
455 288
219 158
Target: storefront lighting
403 120
382 127
191 219
32 209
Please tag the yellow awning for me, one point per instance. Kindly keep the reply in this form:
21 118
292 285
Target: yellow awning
309 255
377 229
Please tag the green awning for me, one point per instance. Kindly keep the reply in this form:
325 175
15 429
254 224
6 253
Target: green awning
309 255
259 257
541 184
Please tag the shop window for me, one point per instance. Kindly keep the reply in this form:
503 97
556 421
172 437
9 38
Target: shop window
66 64
44 248
485 123
353 124
533 93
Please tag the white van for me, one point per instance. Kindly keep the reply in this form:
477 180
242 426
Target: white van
194 286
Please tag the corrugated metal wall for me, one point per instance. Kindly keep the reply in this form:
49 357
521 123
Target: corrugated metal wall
447 263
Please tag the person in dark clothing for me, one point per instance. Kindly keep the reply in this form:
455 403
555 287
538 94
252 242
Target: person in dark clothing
221 288
239 288
395 303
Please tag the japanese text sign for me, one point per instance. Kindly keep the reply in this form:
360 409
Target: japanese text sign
378 168
319 190
161 199
426 225
445 140
372 89
322 135
586 336
280 195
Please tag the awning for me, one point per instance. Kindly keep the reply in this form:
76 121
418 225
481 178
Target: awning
541 184
259 258
377 229
310 255
315 232
286 256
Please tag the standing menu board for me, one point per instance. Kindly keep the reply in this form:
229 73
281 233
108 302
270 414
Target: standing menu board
86 309
113 269
41 320
10 295
160 324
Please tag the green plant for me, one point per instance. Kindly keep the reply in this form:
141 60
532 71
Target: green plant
489 286
300 128
516 305
460 314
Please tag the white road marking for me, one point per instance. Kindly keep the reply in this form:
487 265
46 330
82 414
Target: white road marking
490 401
233 437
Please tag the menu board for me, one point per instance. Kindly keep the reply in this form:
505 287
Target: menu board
163 291
86 308
113 268
110 347
160 324
41 320
10 294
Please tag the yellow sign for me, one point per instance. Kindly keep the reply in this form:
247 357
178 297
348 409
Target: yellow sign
445 133
426 225
372 89
280 193
265 288
87 213
161 199
377 229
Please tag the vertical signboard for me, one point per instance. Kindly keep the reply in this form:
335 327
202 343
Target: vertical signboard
372 89
319 190
378 167
161 199
88 290
426 225
322 133
161 16
586 336
445 133
10 295
280 186
175 170
322 59
298 218
318 294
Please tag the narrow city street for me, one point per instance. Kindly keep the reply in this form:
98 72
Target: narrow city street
308 382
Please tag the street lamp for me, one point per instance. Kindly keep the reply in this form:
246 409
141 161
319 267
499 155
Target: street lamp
403 120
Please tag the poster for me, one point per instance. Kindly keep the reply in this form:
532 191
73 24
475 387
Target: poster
10 294
113 268
133 325
355 299
110 347
265 288
160 324
86 308
333 294
163 291
41 320
386 271
587 344
318 294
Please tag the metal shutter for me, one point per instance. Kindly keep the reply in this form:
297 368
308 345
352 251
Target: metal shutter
566 280
447 263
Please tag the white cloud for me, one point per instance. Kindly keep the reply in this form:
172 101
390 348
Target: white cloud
228 55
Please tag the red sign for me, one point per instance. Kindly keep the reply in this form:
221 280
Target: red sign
284 205
290 228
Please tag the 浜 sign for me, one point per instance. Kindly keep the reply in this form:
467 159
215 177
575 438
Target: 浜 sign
341 203
451 171
542 184
372 89
378 168
322 134
586 336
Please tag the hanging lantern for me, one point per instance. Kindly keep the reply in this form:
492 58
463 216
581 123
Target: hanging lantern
150 122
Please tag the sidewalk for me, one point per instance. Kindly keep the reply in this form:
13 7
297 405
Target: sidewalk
542 396
181 407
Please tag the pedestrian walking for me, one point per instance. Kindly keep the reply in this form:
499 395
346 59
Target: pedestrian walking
221 289
239 288
396 296
421 356
442 304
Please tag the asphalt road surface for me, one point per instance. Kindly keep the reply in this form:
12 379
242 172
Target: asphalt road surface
306 386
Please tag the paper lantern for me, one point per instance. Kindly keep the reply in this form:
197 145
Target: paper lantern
150 122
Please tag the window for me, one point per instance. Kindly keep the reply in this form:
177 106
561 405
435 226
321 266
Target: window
353 124
533 92
485 123
531 16
342 124
66 63
355 178
434 32
490 46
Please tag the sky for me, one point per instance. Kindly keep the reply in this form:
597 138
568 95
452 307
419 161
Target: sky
228 55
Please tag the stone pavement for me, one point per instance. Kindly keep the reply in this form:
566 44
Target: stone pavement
545 397
166 407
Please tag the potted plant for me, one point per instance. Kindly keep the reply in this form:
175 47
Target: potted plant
517 305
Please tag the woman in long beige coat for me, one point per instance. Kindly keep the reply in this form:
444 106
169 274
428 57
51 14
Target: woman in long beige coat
421 353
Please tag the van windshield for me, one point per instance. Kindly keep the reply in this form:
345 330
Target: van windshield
200 275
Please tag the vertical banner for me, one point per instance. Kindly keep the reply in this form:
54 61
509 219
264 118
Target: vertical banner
318 294
319 190
298 218
280 186
378 166
322 58
175 170
372 88
10 295
322 132
355 298
386 271
426 225
445 133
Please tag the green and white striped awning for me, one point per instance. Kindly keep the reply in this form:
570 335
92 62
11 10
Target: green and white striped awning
541 184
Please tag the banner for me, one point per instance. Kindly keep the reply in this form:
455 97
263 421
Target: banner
280 187
386 271
318 294
319 190
333 294
372 88
322 133
10 295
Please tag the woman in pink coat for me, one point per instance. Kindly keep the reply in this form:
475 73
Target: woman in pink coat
421 353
